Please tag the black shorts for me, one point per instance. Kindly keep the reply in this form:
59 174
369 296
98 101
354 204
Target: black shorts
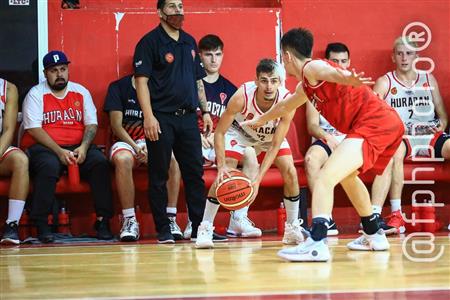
323 145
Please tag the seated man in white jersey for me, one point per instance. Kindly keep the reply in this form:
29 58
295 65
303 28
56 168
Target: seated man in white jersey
415 96
60 122
218 92
325 137
13 162
252 99
129 151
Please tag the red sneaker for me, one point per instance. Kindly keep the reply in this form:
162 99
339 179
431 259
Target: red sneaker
395 219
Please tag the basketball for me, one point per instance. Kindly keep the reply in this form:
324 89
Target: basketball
234 192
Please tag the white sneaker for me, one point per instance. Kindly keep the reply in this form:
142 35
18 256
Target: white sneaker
372 242
293 233
310 250
188 231
175 230
130 230
204 236
242 227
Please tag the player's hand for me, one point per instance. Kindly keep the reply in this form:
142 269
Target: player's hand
331 140
356 79
253 123
222 173
255 184
66 157
207 124
80 154
151 128
205 142
141 154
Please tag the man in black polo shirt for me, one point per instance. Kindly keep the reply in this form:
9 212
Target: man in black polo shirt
169 88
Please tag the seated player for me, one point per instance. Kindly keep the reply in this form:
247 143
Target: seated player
373 131
13 162
130 150
252 99
416 98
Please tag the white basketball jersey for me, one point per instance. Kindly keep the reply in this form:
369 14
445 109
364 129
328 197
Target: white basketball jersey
413 104
2 101
264 133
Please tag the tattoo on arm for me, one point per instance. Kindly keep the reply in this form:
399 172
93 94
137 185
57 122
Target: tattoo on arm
89 134
202 96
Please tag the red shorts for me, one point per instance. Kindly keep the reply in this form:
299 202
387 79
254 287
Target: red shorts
382 134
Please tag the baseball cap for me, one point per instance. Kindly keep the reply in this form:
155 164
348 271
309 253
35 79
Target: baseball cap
54 58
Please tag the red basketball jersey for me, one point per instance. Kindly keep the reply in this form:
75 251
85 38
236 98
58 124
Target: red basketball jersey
342 105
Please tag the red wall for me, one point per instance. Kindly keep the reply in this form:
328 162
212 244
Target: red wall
100 54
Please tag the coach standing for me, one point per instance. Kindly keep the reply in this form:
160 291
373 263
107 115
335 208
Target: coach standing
169 88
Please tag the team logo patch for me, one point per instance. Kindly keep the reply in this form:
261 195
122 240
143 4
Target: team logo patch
233 143
169 57
223 97
426 85
76 103
250 116
394 91
193 54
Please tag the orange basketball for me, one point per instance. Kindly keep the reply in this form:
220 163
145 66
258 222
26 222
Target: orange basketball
234 192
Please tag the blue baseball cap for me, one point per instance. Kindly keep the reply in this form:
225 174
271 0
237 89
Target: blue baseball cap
54 58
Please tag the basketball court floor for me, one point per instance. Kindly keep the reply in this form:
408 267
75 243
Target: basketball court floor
238 269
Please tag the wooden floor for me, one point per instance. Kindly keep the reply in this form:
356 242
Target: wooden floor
240 269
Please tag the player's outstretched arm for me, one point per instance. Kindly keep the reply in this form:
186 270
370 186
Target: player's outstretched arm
280 109
319 70
235 105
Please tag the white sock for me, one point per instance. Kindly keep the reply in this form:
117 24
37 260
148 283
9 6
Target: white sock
171 210
241 213
210 211
128 213
291 210
15 209
396 204
376 209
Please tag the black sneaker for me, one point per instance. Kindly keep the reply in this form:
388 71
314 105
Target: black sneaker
332 228
219 238
45 235
165 237
175 229
103 231
11 234
388 230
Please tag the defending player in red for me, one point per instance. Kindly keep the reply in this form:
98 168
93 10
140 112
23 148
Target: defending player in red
373 131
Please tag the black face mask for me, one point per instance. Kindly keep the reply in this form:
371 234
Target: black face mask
175 21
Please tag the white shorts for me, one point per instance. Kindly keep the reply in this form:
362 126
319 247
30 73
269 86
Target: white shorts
122 146
429 145
8 152
209 154
235 145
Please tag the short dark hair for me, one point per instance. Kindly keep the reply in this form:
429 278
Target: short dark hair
210 42
160 4
266 65
336 47
300 41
